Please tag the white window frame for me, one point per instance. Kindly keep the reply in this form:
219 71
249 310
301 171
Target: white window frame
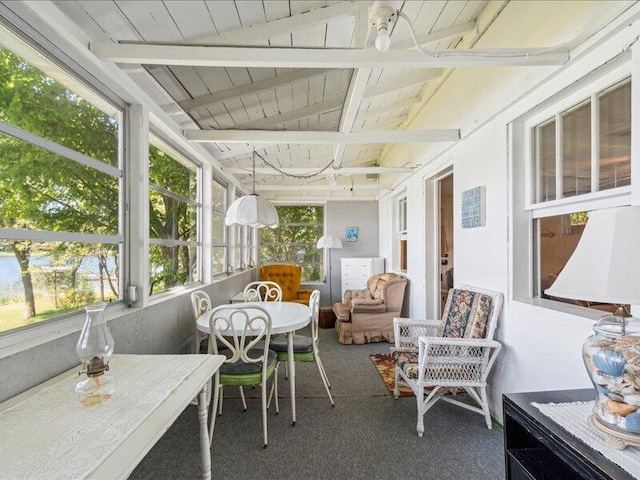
222 214
400 226
526 268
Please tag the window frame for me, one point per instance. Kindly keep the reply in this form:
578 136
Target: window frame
526 259
221 213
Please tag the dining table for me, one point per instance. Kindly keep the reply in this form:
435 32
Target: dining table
286 318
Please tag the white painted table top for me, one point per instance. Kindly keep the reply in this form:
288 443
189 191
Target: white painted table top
47 433
285 316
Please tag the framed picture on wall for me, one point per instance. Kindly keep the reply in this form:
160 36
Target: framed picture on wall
352 234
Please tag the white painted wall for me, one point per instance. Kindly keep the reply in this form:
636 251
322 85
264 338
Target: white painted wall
542 347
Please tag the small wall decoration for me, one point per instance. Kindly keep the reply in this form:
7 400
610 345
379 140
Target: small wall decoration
473 208
352 234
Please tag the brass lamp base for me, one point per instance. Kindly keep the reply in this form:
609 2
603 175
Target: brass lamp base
615 438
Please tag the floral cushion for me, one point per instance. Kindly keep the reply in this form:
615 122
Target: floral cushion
466 314
407 360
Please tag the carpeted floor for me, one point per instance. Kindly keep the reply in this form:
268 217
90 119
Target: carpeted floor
368 435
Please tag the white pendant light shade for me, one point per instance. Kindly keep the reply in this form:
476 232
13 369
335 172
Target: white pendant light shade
252 210
604 266
329 241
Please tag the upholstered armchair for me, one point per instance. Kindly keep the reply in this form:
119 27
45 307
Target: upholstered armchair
366 315
288 277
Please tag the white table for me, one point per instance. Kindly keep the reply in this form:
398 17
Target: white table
286 317
47 433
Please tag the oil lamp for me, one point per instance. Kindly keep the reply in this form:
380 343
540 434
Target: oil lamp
95 347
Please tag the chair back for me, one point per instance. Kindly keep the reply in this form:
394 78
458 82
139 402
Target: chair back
314 306
200 302
286 275
262 292
239 330
494 309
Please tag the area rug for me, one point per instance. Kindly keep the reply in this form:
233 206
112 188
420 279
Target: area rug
386 368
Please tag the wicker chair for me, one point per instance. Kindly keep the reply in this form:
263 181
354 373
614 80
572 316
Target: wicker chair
367 315
440 357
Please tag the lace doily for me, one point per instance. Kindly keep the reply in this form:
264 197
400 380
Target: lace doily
573 417
51 435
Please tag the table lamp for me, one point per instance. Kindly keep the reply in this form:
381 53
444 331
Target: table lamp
604 268
328 242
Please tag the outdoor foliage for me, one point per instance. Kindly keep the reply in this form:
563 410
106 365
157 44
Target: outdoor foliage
294 241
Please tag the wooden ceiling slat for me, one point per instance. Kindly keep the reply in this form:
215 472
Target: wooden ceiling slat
111 19
191 16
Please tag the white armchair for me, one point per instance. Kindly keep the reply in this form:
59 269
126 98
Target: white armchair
436 357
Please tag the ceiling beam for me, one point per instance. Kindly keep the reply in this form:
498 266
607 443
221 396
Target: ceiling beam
278 57
275 28
247 89
355 95
442 34
270 149
376 136
329 171
295 188
299 113
406 81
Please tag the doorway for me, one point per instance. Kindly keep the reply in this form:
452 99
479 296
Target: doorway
445 236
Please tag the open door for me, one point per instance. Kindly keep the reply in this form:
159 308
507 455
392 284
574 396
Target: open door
445 230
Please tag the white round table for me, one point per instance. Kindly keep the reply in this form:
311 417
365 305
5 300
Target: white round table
286 318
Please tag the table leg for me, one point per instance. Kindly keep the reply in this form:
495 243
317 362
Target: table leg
205 446
292 375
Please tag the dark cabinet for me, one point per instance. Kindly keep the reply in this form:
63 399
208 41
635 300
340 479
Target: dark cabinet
538 448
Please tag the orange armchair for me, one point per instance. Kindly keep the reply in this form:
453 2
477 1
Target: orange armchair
288 277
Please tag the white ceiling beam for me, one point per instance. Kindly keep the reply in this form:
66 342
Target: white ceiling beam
438 35
297 114
329 171
248 149
376 136
406 81
295 188
355 95
273 57
353 160
247 89
303 198
282 26
409 102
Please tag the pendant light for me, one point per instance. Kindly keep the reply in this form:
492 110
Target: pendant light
252 209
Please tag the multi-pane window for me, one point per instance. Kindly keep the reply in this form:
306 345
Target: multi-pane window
60 190
219 243
581 154
240 247
402 233
294 241
173 220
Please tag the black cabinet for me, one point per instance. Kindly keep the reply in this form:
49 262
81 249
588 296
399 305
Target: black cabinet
538 448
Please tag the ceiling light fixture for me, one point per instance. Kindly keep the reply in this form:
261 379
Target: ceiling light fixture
252 209
382 17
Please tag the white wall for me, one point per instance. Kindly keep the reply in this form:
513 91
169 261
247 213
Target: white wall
542 347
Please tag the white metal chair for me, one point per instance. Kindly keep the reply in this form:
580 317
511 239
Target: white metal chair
201 303
305 349
240 330
454 353
263 291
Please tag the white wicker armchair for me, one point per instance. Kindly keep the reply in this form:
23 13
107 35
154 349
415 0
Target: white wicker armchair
436 357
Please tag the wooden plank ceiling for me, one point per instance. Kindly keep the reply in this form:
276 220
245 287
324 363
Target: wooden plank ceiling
346 100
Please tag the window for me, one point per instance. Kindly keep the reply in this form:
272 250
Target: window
582 159
294 241
402 233
219 244
173 225
240 247
60 194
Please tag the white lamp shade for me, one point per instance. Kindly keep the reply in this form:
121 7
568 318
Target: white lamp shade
329 241
252 210
605 265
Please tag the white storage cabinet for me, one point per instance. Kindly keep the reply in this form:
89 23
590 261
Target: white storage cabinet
356 271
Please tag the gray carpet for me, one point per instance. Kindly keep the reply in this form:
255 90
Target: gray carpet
368 435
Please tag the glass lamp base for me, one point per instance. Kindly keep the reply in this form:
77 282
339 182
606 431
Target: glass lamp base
95 390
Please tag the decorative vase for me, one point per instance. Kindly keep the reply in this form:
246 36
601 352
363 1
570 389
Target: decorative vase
612 358
94 348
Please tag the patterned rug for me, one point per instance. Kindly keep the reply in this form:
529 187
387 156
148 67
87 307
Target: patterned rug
386 369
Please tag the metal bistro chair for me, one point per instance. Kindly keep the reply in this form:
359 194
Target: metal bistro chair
305 349
240 330
262 291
